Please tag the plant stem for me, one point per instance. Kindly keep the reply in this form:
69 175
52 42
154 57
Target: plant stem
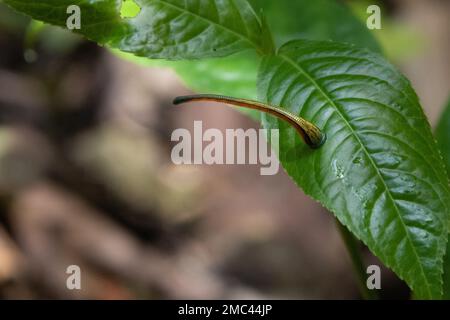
352 245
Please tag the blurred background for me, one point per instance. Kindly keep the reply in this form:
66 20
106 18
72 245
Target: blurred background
86 177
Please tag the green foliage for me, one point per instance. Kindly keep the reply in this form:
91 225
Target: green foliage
379 172
168 29
399 41
234 75
315 20
443 138
446 276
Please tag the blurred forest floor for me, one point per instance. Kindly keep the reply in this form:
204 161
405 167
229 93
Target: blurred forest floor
86 179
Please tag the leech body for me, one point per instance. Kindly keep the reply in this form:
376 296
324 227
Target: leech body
312 135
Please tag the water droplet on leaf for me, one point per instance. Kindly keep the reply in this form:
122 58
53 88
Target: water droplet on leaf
338 170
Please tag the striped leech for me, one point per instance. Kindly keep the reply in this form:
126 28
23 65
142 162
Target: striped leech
310 134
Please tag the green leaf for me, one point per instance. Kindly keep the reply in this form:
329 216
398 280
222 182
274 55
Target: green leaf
443 136
380 171
315 20
174 29
167 29
443 139
236 75
446 276
232 76
156 31
400 41
321 20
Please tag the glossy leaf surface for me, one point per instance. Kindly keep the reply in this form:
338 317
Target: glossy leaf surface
168 29
380 171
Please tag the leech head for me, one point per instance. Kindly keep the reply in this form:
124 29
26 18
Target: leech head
310 134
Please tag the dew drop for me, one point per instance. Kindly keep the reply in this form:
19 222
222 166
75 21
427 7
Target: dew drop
397 106
392 160
338 170
409 182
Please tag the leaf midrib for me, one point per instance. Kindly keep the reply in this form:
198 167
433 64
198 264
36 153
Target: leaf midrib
184 10
353 132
